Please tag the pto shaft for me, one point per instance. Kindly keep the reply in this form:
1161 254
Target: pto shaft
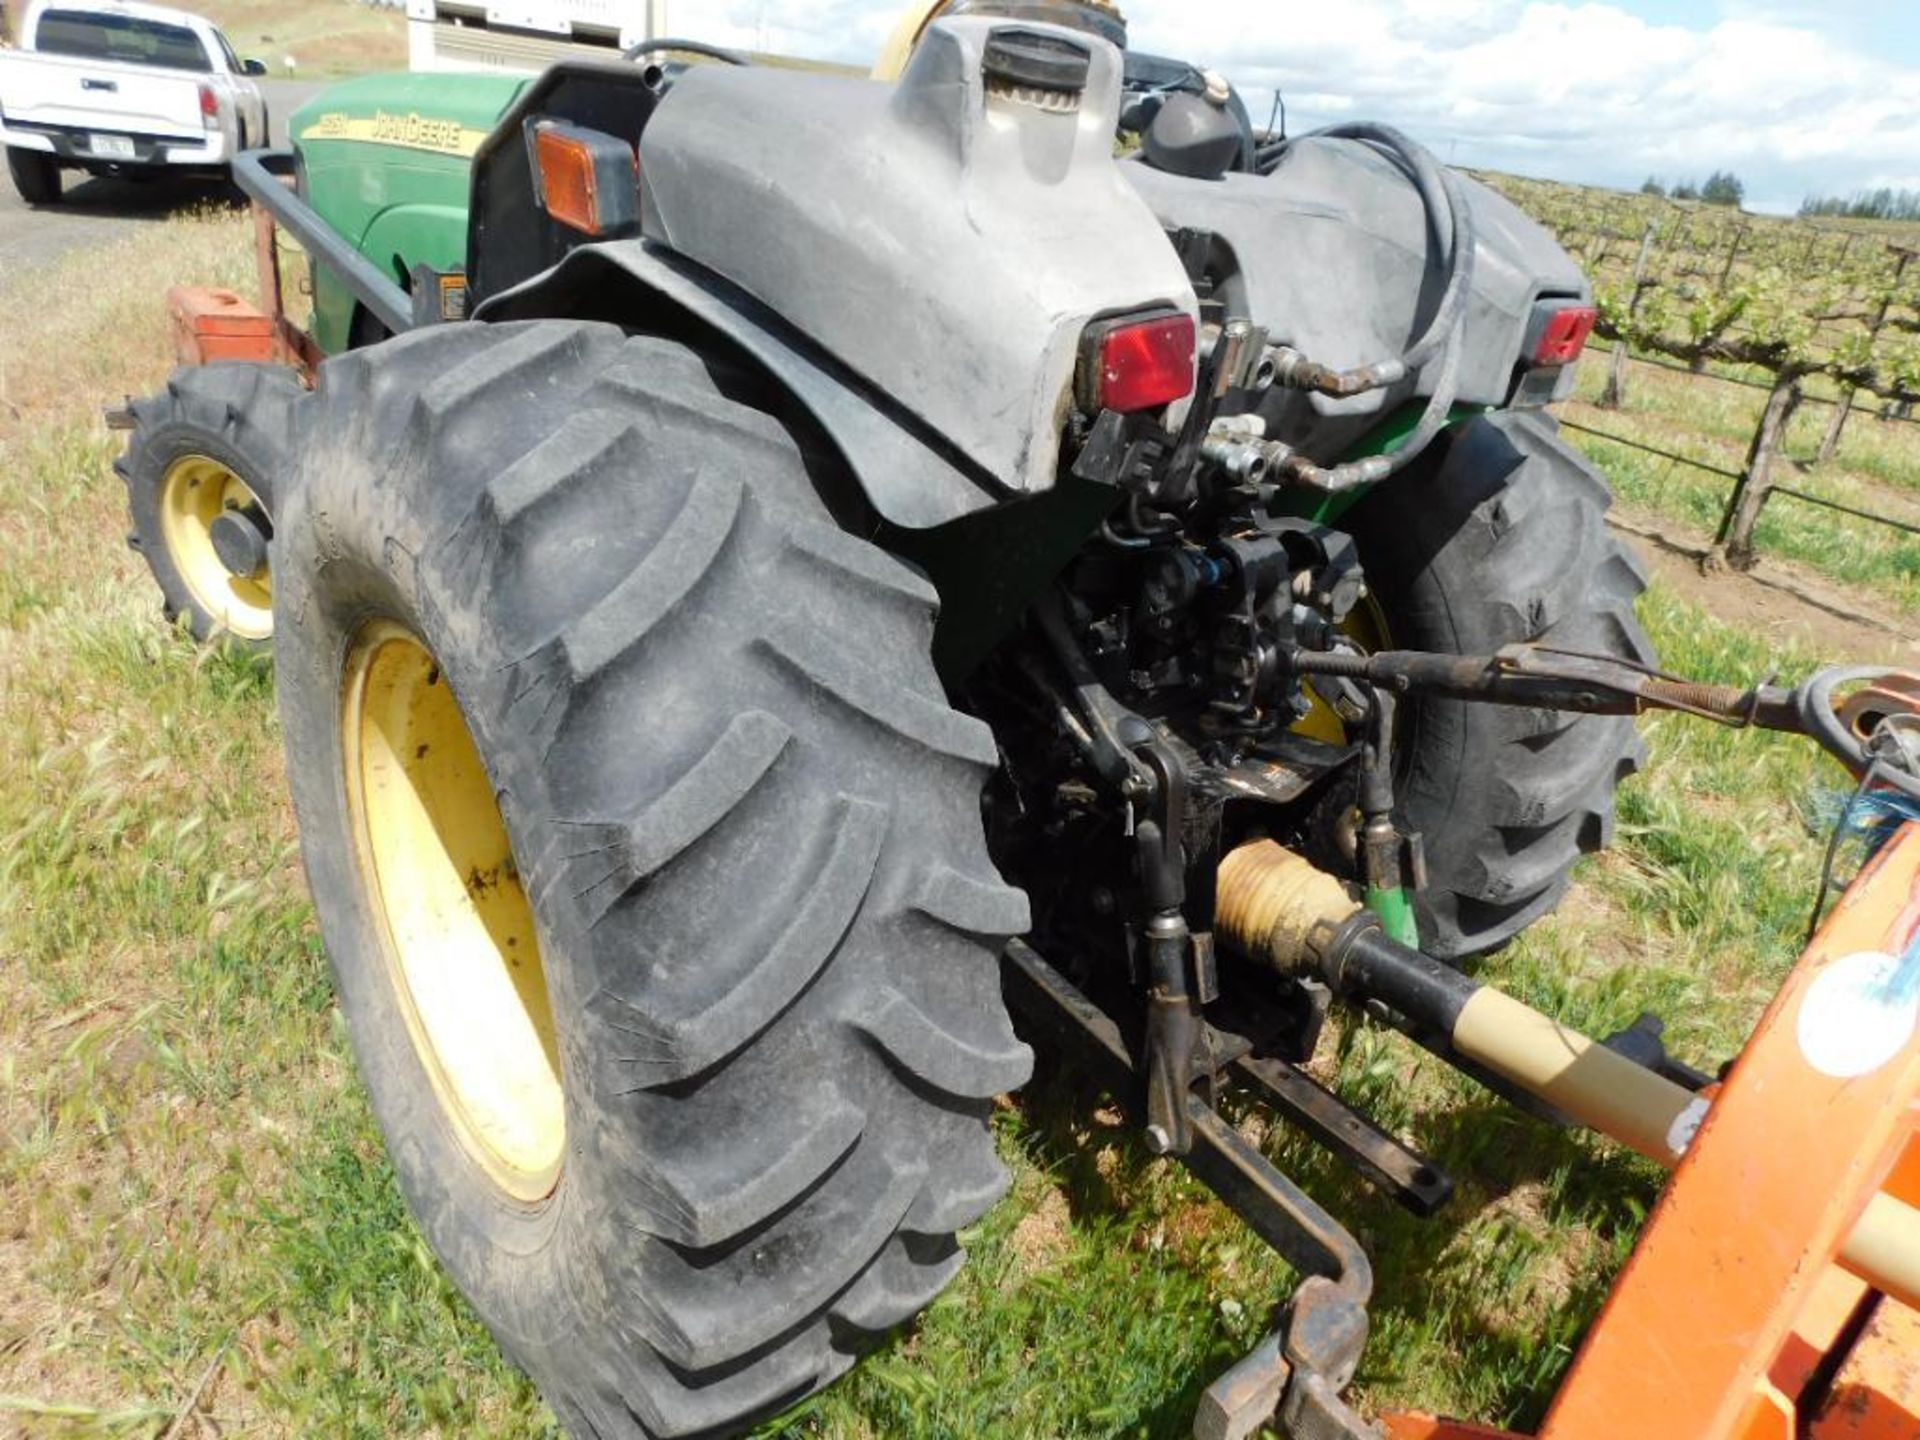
1277 908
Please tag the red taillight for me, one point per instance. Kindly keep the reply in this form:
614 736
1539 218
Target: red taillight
1564 335
1144 364
209 106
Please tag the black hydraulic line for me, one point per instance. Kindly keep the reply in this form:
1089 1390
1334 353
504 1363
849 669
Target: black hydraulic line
1450 218
685 47
1447 216
1446 389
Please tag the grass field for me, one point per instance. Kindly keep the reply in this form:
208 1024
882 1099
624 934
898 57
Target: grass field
197 1224
325 38
328 38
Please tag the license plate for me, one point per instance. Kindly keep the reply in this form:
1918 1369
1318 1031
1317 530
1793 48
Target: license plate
111 147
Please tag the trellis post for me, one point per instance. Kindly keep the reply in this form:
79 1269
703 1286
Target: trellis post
1734 543
1614 396
1830 442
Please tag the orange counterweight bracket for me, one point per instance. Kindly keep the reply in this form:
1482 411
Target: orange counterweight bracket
292 345
1733 1319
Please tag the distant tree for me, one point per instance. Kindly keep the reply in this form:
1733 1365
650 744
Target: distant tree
1885 203
1723 187
1685 190
1652 186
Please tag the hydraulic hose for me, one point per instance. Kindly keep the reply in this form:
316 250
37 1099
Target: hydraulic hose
685 47
1446 388
1449 218
1371 470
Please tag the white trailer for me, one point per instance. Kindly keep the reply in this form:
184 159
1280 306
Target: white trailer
526 35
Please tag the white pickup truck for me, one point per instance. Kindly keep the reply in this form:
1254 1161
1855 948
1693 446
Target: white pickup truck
122 89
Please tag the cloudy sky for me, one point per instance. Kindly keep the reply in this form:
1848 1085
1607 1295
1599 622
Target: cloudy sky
1792 95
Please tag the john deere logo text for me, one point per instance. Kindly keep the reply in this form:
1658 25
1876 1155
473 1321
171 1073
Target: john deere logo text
422 132
411 131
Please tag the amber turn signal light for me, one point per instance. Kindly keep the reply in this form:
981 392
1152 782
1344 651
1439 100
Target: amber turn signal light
588 180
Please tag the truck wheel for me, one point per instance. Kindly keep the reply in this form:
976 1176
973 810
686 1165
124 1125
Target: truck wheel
650 862
200 469
35 174
1501 540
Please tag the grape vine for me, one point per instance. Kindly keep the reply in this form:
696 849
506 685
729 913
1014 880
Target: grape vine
1796 297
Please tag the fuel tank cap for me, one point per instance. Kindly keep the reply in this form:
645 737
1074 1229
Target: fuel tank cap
1036 59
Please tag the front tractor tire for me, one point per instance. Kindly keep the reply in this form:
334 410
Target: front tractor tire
649 859
201 468
1501 539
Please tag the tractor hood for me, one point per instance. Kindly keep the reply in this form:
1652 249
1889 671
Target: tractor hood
949 240
384 159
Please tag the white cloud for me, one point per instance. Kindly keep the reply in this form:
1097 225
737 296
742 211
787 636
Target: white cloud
1581 91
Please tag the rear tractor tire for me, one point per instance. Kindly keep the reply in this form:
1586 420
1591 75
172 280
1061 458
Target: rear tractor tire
1500 540
650 863
35 175
201 468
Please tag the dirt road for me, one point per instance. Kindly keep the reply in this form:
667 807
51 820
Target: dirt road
92 212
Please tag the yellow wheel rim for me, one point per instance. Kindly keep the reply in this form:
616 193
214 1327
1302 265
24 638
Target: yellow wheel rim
1366 626
456 929
195 492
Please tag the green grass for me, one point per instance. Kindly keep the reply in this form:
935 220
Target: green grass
191 1186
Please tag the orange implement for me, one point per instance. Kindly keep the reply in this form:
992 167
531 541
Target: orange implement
213 324
1733 1319
1876 1391
1428 1427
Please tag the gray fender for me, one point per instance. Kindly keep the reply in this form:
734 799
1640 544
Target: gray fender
909 474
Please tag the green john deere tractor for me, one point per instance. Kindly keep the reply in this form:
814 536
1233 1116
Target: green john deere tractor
759 541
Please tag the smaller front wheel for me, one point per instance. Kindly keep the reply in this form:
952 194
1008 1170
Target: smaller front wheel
200 470
35 174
